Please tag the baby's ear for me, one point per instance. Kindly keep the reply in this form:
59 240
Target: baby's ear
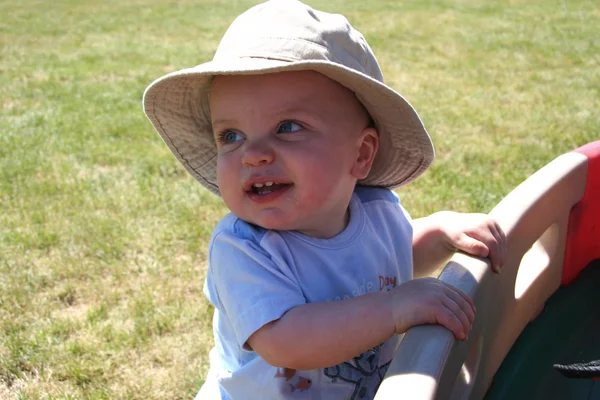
367 149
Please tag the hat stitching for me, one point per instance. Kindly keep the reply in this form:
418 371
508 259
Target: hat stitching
329 51
205 163
211 186
297 40
172 144
280 58
410 177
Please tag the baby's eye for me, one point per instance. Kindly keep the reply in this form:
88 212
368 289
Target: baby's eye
288 127
227 137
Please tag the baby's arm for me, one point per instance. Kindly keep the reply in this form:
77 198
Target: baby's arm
320 335
437 237
261 305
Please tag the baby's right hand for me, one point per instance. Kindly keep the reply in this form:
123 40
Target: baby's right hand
431 301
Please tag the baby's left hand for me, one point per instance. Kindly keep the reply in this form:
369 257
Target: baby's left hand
476 234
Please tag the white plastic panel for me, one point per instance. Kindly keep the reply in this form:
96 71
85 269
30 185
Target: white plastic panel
429 363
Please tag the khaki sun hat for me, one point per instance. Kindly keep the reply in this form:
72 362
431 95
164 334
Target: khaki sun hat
287 35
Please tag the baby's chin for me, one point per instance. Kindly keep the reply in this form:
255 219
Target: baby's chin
273 220
295 226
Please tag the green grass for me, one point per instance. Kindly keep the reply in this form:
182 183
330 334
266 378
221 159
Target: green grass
103 235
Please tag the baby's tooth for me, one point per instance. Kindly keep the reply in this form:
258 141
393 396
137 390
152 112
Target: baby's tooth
258 185
268 183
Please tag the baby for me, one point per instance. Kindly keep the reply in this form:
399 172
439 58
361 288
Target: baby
311 274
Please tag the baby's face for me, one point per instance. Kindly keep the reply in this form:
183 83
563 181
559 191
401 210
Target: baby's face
291 147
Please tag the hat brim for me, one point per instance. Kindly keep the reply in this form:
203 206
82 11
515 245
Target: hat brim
177 106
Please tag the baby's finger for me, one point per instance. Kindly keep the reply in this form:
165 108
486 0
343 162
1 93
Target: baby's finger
472 246
460 314
503 243
497 248
461 293
447 318
464 304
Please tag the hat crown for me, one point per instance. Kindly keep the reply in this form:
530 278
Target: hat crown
289 30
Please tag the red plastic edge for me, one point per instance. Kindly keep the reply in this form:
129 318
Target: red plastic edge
583 232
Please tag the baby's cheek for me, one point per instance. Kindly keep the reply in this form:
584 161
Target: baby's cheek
230 189
226 173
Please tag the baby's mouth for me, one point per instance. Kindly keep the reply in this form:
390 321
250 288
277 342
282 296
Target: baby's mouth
268 187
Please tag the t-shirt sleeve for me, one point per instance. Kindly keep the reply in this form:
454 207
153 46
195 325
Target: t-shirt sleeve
246 286
405 212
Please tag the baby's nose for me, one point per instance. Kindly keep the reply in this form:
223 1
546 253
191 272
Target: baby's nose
257 153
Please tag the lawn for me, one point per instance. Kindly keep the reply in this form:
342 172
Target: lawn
103 235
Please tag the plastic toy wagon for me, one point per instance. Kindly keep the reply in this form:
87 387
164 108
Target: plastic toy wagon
544 308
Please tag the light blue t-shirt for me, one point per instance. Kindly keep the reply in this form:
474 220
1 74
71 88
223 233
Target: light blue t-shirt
256 275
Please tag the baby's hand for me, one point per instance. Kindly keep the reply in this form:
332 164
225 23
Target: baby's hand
431 301
476 234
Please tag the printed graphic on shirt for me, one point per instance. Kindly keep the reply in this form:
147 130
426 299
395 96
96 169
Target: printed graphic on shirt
387 283
384 283
363 371
361 288
286 373
299 383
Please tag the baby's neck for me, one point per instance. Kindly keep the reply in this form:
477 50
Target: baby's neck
330 228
